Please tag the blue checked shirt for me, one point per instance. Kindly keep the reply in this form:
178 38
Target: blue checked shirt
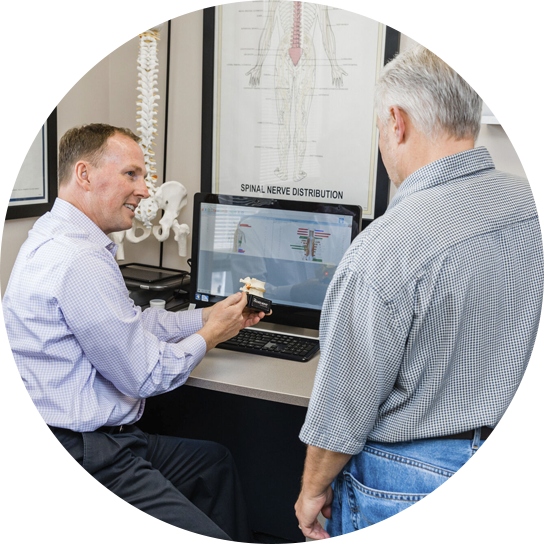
86 353
430 319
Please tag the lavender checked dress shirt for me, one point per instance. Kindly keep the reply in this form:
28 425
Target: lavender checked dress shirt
87 355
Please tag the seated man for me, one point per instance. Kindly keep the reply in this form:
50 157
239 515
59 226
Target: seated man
89 357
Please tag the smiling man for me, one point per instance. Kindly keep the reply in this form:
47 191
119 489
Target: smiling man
89 357
108 186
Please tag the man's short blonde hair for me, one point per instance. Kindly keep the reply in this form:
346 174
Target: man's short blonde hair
87 142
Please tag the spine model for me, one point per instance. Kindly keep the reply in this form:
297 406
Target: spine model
170 196
148 69
6 62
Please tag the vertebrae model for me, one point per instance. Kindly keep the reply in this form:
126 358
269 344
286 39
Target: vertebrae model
171 196
6 62
253 286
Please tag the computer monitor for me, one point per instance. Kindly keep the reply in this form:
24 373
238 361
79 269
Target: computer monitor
293 246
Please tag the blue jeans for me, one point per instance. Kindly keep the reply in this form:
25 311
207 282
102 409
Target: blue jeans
433 491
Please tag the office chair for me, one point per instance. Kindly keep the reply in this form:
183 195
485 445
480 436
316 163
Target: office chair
69 479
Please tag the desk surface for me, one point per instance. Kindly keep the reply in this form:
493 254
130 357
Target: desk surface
266 378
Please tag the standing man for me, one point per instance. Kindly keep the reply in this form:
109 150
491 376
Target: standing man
430 319
89 357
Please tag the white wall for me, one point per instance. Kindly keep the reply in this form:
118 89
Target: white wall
97 50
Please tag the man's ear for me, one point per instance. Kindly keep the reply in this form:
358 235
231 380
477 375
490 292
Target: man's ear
82 175
398 124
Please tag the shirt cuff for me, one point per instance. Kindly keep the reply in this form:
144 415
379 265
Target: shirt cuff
196 346
326 442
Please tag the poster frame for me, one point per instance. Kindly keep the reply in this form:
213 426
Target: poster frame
392 43
20 211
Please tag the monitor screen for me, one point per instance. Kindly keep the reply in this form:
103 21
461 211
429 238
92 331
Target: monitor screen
295 247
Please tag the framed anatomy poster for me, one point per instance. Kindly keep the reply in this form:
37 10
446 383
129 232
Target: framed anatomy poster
28 117
288 103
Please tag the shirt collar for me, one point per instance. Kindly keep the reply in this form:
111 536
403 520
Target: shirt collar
80 223
443 170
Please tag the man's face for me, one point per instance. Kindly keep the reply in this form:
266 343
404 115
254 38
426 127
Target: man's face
388 152
117 185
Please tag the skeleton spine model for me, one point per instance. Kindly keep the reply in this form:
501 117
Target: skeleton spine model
170 196
6 62
148 69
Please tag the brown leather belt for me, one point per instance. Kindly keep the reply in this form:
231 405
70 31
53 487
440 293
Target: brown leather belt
487 433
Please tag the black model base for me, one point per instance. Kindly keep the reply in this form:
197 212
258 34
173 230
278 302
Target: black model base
259 303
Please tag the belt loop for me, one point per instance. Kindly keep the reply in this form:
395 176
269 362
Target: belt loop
476 439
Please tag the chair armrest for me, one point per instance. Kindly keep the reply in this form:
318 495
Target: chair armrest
38 469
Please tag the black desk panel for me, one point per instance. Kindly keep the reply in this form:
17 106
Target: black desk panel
262 437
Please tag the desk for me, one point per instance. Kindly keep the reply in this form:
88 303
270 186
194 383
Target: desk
255 406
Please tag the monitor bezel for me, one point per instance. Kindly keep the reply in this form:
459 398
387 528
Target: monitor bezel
281 314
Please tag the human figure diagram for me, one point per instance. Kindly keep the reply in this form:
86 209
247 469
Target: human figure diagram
294 75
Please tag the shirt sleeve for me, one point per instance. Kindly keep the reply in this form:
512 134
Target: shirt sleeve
172 326
115 336
362 345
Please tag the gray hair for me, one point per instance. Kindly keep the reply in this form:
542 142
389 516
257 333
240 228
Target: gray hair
436 98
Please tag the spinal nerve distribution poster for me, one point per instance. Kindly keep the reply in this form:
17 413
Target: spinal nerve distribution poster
293 111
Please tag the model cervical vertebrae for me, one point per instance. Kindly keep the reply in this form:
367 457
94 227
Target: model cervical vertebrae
172 195
253 287
6 62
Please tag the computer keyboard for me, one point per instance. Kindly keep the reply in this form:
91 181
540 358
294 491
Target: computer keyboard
271 344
